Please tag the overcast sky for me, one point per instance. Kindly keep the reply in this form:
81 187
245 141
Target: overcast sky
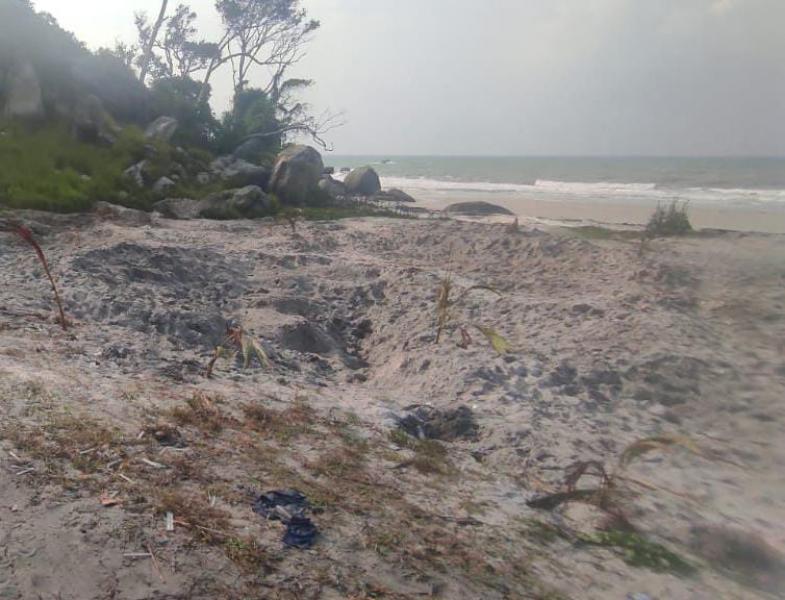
527 77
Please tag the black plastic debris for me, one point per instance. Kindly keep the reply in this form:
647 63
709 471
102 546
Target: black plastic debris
289 507
300 532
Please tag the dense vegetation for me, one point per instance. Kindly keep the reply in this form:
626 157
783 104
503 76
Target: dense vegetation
48 162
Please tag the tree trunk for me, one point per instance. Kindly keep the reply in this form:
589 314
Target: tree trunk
148 50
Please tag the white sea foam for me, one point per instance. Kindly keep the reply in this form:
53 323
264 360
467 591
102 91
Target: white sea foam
591 191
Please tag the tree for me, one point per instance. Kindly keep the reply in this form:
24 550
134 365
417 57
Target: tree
177 53
260 33
148 36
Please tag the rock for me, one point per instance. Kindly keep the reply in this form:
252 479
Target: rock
345 169
394 196
332 186
363 181
163 128
400 195
240 172
177 208
138 173
249 202
121 214
163 185
178 170
328 171
477 209
23 92
91 123
252 150
743 553
296 174
444 425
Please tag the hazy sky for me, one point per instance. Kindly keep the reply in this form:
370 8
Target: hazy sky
524 77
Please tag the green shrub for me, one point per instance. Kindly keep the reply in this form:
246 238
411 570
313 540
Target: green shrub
669 221
44 167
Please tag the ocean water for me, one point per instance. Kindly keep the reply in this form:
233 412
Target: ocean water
718 182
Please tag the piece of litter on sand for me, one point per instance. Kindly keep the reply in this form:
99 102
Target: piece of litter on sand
291 501
300 532
24 472
137 555
109 499
288 506
153 464
169 521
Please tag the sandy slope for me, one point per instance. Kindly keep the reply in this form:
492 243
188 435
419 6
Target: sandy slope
610 346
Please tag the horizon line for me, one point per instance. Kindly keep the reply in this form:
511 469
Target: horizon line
733 156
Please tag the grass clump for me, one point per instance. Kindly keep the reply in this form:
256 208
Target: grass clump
669 221
637 551
430 457
201 411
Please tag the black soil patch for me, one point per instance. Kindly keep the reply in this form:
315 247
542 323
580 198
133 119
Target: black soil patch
181 293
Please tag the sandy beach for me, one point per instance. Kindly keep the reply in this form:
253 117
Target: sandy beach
111 425
768 218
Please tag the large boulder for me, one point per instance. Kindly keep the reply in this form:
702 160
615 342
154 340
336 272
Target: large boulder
252 149
139 173
296 174
393 195
23 92
240 172
177 208
477 209
249 202
363 181
163 185
91 123
332 186
163 128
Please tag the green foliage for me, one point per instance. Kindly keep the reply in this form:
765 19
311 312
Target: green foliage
669 221
253 113
43 167
178 97
637 551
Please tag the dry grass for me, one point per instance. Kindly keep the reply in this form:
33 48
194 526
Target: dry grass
192 510
298 419
201 411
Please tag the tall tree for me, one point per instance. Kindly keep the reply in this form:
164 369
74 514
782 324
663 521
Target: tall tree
149 39
260 33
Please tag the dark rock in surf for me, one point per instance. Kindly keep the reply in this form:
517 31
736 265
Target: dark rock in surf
477 209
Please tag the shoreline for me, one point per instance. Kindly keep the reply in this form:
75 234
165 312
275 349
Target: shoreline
764 219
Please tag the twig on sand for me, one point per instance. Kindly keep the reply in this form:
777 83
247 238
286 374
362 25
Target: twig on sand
156 566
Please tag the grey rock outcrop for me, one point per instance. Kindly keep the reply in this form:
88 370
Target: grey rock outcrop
163 128
177 208
23 95
296 174
239 172
163 185
138 173
363 181
249 202
91 123
332 186
477 209
393 195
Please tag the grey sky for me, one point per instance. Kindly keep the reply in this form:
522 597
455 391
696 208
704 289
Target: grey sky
580 77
